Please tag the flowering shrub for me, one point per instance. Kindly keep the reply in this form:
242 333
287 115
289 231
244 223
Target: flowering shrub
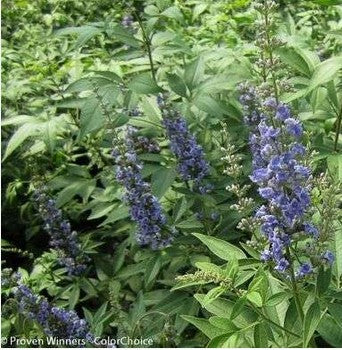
172 173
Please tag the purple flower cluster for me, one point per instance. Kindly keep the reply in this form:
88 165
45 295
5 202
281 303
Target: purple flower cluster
55 321
282 177
127 21
191 162
145 208
63 239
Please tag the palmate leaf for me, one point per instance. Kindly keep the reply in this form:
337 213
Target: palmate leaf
325 72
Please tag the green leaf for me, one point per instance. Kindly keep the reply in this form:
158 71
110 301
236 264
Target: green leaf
91 117
180 208
334 163
116 215
191 223
294 57
222 249
5 328
255 298
213 294
338 250
194 73
18 119
323 280
209 105
144 84
311 321
172 303
260 336
328 2
82 187
189 308
198 10
177 84
25 131
74 296
85 33
325 72
119 256
131 270
204 326
150 108
174 13
138 309
330 331
124 35
224 308
152 270
161 180
87 84
100 210
238 306
336 312
223 323
220 341
277 298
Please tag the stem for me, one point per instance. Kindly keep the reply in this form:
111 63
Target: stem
272 322
338 128
269 45
147 42
295 288
261 314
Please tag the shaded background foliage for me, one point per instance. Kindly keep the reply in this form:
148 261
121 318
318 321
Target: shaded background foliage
72 75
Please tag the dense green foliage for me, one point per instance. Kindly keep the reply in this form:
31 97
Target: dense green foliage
73 77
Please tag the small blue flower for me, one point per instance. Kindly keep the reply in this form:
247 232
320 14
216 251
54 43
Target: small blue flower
266 255
304 270
260 175
267 192
282 265
311 229
294 127
127 21
215 216
328 257
283 112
